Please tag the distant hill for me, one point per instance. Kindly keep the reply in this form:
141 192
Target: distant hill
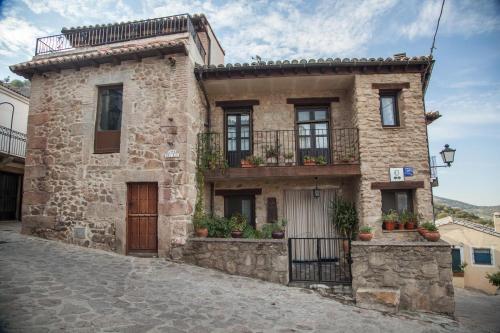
485 212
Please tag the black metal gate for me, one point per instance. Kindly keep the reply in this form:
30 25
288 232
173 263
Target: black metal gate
320 260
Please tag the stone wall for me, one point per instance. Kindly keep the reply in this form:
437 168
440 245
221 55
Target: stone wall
389 275
265 259
77 196
381 148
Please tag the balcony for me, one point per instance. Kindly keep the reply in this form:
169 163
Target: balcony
72 39
279 153
12 143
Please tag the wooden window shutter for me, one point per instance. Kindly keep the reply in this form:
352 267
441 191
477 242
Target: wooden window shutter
272 210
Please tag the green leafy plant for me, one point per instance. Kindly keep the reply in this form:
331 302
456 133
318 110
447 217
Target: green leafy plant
238 222
250 232
390 216
309 159
344 217
427 225
431 227
255 160
219 227
272 151
268 229
494 278
288 156
365 230
320 160
462 267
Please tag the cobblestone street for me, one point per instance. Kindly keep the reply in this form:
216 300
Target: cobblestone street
48 286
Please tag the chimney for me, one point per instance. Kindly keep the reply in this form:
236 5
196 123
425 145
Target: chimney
496 221
399 56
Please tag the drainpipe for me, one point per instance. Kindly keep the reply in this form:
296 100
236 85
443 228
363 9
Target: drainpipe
208 122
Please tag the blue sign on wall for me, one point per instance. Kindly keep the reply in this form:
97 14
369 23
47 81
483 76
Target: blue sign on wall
408 171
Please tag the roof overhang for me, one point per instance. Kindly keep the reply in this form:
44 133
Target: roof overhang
421 65
95 58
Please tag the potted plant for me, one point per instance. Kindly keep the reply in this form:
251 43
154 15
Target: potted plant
238 223
365 233
389 219
245 163
320 160
256 160
400 224
422 229
288 158
201 225
309 160
272 154
279 229
461 271
411 222
345 219
432 234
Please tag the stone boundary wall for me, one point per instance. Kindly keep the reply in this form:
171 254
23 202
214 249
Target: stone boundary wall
390 276
265 259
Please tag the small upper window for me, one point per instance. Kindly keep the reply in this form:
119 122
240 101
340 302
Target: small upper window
109 119
389 108
482 256
398 200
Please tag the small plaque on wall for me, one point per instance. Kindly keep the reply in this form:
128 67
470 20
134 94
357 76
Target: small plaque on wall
272 210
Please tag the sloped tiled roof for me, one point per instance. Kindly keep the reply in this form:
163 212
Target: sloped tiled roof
321 61
98 56
14 90
470 225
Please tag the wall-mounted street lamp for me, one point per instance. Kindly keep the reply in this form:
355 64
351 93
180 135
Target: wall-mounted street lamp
448 156
316 192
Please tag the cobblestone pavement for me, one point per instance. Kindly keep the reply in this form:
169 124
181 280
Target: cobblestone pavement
48 286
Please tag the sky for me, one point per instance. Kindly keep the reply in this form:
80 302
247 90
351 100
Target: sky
464 88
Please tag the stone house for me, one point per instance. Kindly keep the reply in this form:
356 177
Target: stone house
119 112
14 105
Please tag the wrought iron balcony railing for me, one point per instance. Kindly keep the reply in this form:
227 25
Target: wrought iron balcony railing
12 142
279 148
107 34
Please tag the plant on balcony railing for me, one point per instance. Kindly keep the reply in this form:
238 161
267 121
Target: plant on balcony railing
272 154
252 161
288 157
318 160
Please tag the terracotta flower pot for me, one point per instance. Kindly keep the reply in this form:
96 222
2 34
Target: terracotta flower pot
201 232
278 234
432 236
366 237
236 234
345 245
389 225
401 226
410 225
246 164
309 163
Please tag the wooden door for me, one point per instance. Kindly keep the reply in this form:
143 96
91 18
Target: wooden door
238 138
9 189
142 217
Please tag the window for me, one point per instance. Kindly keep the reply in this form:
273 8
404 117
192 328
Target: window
482 256
456 259
389 108
108 120
398 200
240 204
313 131
238 135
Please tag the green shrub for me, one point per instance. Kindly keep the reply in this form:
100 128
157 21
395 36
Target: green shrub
365 229
219 227
494 278
431 228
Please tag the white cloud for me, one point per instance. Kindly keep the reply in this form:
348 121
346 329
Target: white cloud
18 36
83 11
459 17
281 29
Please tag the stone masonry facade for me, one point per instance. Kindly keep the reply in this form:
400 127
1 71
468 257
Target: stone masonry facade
77 196
401 275
265 259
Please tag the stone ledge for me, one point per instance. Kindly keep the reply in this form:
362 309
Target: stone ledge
402 244
237 240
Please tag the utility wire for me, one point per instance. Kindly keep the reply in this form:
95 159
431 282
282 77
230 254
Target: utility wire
437 28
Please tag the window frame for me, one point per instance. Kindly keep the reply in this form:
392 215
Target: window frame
461 250
312 108
237 110
111 137
411 198
492 255
241 196
395 94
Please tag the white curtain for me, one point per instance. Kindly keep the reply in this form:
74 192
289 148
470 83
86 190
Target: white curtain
309 217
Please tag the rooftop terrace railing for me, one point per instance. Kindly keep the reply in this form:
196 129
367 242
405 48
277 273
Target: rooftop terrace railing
108 34
12 143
